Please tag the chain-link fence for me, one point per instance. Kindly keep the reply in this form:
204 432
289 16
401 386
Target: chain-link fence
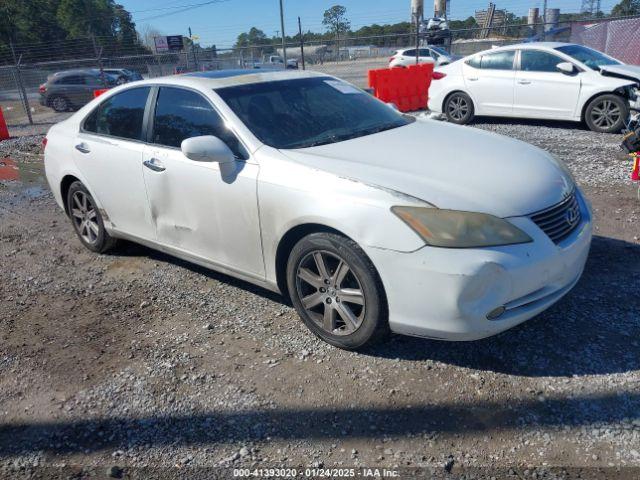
24 68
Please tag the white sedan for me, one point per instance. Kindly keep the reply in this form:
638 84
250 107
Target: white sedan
554 81
368 220
430 54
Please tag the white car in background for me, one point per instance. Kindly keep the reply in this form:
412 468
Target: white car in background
554 81
430 54
370 221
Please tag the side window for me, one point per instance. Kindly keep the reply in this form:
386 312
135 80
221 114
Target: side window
71 80
120 116
182 114
409 53
498 60
538 61
475 61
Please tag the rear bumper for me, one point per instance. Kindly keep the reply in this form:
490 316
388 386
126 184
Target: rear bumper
448 293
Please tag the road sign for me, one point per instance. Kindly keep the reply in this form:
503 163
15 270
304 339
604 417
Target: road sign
169 43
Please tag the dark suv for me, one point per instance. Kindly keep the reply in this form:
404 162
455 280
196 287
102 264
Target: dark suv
71 89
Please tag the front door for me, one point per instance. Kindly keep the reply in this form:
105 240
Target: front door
108 152
201 208
541 90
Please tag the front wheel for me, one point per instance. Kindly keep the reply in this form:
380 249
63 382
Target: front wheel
607 113
458 108
337 291
87 220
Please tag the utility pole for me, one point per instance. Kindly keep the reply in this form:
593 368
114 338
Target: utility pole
417 10
284 46
193 50
301 43
544 20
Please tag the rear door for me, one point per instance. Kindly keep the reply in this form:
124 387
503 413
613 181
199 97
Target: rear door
541 90
108 151
201 208
490 79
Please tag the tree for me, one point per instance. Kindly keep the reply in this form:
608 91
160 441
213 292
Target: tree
626 8
335 20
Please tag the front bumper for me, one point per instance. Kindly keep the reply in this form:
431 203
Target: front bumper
447 293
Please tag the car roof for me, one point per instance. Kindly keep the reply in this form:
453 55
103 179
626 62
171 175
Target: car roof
227 78
77 71
529 46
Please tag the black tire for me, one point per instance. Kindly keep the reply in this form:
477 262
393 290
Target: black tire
368 322
59 103
95 238
458 108
607 113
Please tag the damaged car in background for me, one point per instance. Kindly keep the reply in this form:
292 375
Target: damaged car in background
546 80
371 222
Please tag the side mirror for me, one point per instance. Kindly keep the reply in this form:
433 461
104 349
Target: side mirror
566 67
206 148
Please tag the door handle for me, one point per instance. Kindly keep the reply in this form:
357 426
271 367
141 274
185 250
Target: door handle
524 82
154 164
473 79
83 148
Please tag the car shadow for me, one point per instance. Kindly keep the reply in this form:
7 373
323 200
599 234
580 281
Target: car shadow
559 124
594 330
131 249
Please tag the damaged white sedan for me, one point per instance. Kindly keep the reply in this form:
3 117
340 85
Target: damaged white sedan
544 80
369 221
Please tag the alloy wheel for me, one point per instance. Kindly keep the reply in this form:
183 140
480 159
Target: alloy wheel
83 213
458 108
330 292
605 114
59 104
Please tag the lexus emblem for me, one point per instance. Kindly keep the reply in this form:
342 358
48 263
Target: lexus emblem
572 215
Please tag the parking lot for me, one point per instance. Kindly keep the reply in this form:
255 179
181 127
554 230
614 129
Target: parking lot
135 359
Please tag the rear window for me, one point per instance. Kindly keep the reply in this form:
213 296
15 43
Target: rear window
493 61
120 116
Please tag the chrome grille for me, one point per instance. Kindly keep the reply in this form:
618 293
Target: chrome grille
559 220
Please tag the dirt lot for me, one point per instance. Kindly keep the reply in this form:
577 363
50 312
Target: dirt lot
118 362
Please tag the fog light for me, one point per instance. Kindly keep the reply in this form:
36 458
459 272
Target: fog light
496 313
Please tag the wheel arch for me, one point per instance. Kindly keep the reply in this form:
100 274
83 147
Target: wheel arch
617 92
65 183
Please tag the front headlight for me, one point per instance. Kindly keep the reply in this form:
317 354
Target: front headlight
455 229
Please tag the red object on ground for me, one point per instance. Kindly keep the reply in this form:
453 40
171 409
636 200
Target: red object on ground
4 131
8 169
97 93
407 88
635 174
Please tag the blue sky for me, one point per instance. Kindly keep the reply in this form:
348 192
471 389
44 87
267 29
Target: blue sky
220 23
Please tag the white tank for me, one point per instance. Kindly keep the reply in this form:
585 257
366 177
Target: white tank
532 19
552 18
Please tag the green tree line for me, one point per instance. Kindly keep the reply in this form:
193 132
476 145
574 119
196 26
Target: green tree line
30 24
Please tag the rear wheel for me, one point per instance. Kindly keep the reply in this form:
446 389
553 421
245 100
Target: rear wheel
458 108
87 220
59 103
607 113
337 291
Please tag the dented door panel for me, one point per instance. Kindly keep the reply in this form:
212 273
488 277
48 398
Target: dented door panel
205 209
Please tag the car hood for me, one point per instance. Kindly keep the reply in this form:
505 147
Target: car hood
449 166
630 72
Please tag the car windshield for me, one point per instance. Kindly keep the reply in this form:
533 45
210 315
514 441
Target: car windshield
591 58
306 112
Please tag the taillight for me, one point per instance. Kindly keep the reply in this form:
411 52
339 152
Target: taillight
42 88
391 59
438 75
44 143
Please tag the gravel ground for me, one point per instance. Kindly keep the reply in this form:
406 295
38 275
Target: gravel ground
135 364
